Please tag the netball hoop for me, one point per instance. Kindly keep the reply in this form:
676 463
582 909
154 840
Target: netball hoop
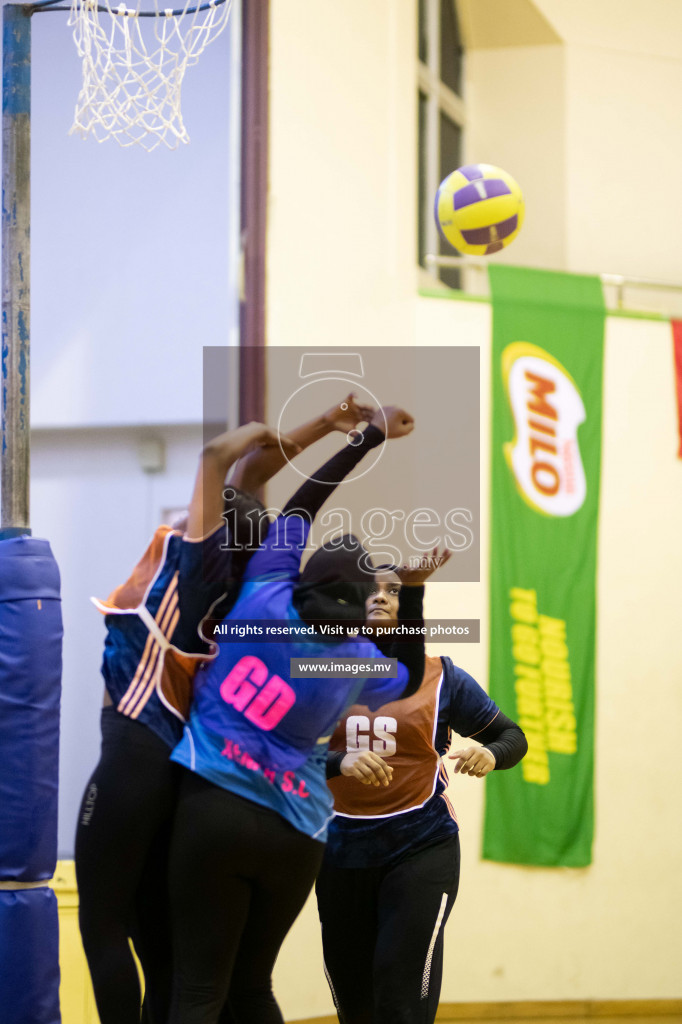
134 63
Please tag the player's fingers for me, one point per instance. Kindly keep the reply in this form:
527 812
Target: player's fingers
382 772
462 755
367 776
440 558
363 765
360 411
376 767
467 760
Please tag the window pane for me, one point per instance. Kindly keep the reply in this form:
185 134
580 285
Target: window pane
450 145
422 182
450 160
451 49
423 33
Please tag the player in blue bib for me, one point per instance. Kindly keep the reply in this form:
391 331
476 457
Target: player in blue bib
253 808
152 649
247 694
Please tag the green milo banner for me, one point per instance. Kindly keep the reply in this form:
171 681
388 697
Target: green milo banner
548 342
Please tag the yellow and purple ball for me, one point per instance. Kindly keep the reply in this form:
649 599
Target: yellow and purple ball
479 209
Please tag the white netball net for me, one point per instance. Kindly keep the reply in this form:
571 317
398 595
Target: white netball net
134 65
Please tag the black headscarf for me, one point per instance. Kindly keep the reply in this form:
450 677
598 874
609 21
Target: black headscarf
335 583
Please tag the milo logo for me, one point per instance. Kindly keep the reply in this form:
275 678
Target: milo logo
547 408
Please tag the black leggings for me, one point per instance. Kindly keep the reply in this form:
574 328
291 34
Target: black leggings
382 935
239 876
122 839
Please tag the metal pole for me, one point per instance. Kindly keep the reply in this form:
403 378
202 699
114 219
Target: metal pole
16 210
254 186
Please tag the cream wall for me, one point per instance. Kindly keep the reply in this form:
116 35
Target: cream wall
624 132
591 128
516 119
342 185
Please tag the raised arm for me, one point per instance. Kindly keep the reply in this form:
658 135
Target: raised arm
387 423
280 554
219 455
255 469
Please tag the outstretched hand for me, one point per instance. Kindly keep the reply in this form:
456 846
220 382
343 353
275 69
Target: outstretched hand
476 761
417 574
347 414
217 457
393 421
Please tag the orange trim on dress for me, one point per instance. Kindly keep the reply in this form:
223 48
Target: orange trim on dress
149 658
451 809
152 683
485 726
130 595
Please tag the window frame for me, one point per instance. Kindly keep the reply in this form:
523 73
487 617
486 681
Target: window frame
440 99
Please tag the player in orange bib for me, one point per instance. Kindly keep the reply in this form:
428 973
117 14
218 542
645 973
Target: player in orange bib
391 868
